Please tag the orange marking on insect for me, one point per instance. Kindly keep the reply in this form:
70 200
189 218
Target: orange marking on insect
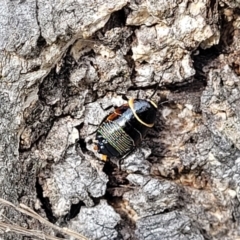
117 112
104 158
112 116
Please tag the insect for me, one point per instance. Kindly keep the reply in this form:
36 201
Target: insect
124 129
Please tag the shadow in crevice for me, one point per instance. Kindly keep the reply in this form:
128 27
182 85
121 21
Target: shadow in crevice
83 145
74 211
117 183
116 187
117 19
46 205
202 61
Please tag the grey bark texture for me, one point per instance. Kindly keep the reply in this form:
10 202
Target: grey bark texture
65 65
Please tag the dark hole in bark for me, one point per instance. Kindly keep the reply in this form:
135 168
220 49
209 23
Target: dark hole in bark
81 141
202 61
134 88
116 187
176 171
46 205
96 200
36 68
75 209
108 168
59 235
35 52
83 145
124 97
41 42
191 140
80 126
117 181
117 19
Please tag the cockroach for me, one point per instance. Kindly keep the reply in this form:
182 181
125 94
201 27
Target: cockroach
124 129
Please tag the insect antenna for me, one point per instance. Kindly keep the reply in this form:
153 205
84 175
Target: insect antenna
157 84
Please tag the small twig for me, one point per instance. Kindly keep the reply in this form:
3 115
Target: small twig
28 211
20 230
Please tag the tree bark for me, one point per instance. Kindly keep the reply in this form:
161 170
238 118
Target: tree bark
66 65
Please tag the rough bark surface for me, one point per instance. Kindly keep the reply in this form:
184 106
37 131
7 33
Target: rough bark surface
65 65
